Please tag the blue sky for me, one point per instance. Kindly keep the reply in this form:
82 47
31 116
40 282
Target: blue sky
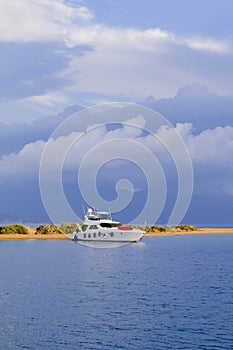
56 54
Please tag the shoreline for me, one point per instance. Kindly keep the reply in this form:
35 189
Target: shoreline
58 236
201 231
31 236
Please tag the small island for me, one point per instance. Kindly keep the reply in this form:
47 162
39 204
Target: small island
21 232
53 232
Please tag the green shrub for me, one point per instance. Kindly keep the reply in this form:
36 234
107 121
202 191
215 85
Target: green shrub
155 229
159 228
68 227
187 228
44 229
13 229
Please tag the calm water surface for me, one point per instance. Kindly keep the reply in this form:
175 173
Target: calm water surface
162 293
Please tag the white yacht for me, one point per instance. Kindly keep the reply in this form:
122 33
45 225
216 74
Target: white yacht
98 226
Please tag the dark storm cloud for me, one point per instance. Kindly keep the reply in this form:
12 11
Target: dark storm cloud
29 69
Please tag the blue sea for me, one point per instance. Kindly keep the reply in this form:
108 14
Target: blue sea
161 293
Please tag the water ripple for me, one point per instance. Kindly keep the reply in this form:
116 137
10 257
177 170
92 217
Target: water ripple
175 293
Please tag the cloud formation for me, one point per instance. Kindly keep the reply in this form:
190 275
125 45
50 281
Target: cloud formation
53 51
136 61
213 147
38 20
144 40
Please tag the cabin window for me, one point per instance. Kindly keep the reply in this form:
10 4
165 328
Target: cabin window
84 227
93 227
84 236
89 235
94 234
109 224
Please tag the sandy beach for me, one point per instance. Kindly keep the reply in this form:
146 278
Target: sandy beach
18 237
201 231
59 236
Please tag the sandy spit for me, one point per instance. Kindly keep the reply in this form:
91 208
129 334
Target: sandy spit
201 231
58 236
16 237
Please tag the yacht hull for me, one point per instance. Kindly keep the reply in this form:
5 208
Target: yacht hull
122 236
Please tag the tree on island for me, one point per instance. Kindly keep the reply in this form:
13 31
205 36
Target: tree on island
47 230
13 229
68 227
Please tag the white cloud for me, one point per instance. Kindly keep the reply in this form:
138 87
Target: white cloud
38 20
49 99
139 62
122 60
145 40
212 146
209 45
99 35
211 153
24 164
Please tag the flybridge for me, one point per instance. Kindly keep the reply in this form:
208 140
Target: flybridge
97 215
